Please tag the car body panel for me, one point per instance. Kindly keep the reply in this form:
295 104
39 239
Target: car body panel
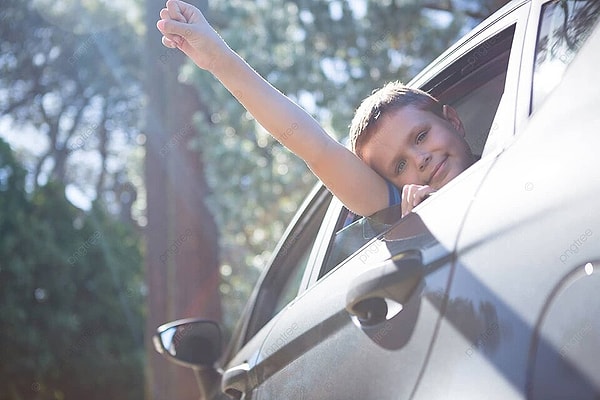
317 323
566 348
516 261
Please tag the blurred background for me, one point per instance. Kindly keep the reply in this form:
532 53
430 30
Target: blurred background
134 190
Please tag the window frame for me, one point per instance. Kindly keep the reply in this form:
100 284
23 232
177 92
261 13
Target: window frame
333 218
515 16
524 98
505 120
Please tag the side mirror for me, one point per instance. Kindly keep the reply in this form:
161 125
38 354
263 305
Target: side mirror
194 343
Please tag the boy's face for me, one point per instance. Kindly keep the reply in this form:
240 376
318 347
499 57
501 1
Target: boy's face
412 146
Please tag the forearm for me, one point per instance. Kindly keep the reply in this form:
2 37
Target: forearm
281 117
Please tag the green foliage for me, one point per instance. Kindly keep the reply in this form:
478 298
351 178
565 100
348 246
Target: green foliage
78 86
327 56
71 304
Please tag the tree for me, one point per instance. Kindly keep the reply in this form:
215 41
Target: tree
80 90
71 283
181 235
71 296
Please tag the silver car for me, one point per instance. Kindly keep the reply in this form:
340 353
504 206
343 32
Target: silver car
490 289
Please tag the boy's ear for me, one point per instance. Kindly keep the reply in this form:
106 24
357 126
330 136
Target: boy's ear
452 116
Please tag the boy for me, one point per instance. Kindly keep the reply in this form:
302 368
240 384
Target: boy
401 137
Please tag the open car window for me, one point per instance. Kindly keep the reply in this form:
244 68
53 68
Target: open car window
474 86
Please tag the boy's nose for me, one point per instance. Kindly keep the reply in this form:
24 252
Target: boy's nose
423 160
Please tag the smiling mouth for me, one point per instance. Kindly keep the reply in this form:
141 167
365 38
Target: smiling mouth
437 168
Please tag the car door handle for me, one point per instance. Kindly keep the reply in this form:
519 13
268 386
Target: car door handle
396 279
235 381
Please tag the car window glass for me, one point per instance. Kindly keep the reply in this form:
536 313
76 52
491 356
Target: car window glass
355 232
282 282
473 85
564 26
289 289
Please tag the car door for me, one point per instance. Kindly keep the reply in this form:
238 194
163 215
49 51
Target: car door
350 334
523 306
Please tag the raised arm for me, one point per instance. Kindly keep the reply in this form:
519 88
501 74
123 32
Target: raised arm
360 188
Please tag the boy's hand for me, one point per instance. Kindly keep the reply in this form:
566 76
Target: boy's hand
412 195
184 27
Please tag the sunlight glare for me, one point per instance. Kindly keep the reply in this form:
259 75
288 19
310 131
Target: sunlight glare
87 17
589 269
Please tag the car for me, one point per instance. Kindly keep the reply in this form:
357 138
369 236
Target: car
487 290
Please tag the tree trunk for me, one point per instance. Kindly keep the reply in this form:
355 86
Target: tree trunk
181 235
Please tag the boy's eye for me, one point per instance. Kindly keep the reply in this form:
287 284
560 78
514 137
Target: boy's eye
421 136
401 166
